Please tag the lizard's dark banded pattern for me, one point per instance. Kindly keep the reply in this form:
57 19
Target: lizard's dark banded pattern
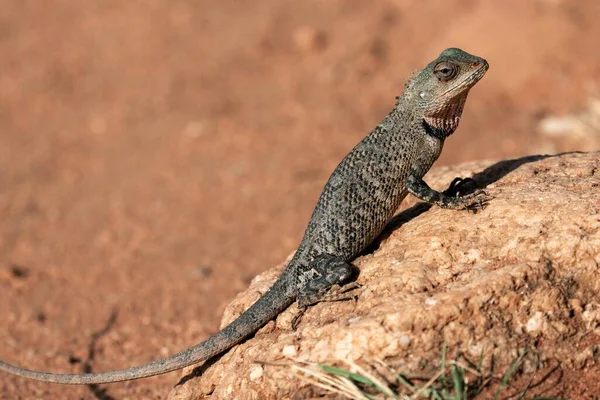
358 200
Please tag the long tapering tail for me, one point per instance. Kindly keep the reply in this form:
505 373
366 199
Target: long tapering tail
273 302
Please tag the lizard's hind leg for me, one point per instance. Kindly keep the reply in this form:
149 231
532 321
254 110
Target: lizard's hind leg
326 283
328 276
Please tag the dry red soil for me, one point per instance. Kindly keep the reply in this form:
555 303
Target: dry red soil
155 156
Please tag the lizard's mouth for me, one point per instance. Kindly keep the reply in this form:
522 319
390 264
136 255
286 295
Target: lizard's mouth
482 69
473 78
468 81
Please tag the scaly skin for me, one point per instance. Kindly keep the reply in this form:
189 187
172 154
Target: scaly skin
358 200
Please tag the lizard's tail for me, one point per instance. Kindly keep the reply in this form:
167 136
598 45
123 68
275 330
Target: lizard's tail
273 302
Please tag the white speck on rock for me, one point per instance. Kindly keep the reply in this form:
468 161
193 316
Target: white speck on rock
289 351
535 323
430 302
435 243
256 372
473 255
405 341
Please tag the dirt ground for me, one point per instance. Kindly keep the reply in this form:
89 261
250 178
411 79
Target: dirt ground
155 156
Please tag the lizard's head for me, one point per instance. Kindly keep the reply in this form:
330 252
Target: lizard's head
441 88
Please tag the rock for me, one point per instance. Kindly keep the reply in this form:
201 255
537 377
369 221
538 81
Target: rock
523 272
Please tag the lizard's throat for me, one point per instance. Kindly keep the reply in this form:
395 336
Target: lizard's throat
446 118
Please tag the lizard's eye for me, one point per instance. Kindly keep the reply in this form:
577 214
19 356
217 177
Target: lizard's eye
445 71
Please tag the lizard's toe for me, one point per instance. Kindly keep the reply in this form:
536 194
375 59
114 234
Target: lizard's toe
477 201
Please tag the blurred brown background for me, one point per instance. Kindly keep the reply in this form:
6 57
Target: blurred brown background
156 155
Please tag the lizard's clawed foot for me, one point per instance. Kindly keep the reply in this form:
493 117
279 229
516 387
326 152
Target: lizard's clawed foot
465 189
336 293
476 201
339 293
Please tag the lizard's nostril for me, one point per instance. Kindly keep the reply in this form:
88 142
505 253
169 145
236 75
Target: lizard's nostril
476 64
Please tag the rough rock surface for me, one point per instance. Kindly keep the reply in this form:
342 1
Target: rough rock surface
523 272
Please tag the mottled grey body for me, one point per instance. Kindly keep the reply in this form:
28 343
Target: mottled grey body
357 202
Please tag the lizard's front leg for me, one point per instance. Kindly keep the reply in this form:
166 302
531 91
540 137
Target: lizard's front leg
327 277
452 198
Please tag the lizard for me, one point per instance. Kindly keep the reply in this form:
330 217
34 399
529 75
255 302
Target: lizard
360 197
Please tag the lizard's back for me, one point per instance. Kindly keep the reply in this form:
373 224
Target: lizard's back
364 191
